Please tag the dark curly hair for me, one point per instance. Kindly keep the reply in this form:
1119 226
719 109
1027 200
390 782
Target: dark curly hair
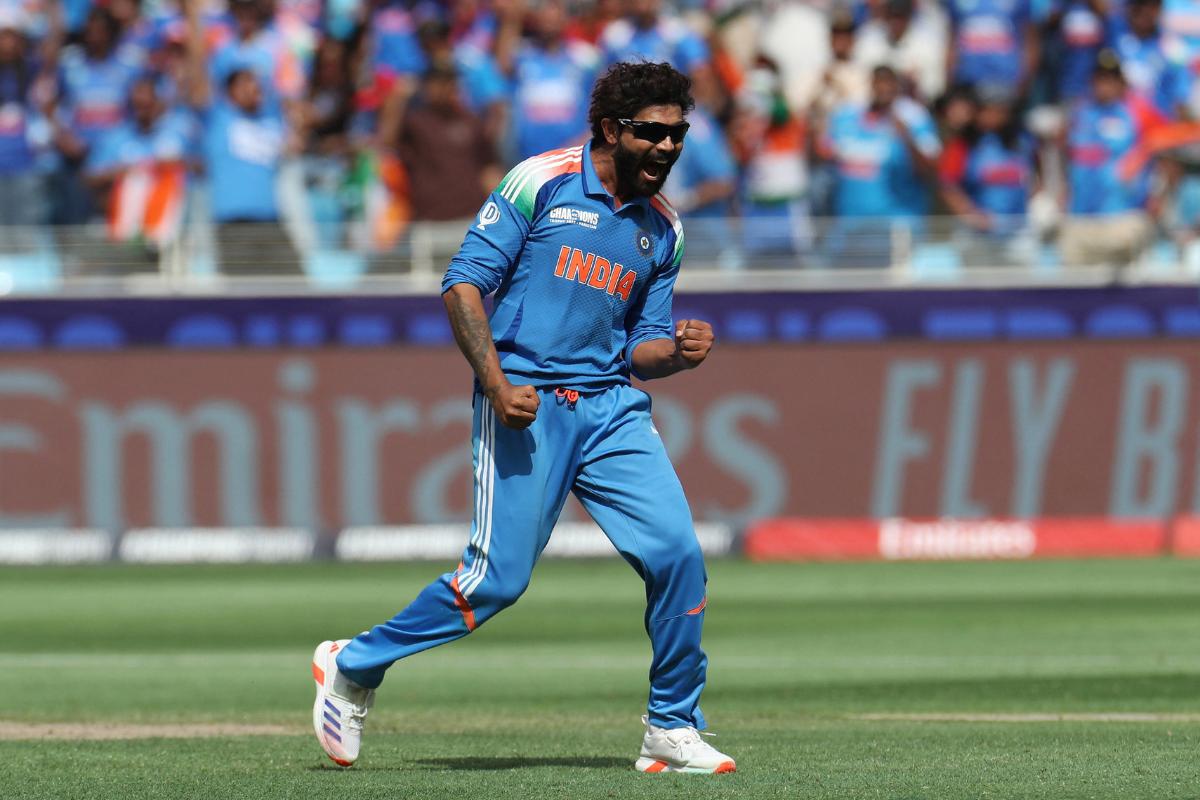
628 87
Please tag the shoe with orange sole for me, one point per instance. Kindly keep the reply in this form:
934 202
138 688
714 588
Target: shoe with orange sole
680 750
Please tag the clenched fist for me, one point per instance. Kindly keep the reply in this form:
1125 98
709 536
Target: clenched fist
693 341
516 406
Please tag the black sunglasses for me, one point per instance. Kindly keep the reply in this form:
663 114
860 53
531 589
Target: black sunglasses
656 131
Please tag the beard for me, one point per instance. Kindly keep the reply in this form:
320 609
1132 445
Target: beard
642 176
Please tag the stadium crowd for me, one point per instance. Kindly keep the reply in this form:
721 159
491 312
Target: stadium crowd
289 126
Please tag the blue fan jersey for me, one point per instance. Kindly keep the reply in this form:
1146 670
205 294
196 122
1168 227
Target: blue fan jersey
580 280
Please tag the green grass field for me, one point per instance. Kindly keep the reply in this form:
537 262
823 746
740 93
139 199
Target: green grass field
832 680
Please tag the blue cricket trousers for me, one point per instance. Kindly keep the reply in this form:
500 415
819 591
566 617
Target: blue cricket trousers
604 448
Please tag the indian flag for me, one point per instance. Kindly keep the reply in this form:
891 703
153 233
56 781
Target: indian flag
147 203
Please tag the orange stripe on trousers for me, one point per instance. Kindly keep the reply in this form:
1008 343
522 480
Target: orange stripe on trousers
463 606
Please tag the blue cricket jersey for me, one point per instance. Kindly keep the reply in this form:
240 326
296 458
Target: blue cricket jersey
989 36
1081 34
242 153
1156 67
95 93
580 280
170 138
876 175
550 92
669 40
1099 137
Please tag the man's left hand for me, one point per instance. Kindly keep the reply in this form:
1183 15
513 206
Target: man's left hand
693 341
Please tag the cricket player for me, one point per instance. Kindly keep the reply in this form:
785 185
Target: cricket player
582 253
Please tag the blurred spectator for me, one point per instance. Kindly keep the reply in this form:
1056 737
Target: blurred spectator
339 19
43 19
170 23
171 65
845 79
588 21
450 160
153 134
796 37
259 48
309 12
305 133
1181 24
884 154
395 50
75 14
1078 31
329 105
1153 66
988 183
93 83
1108 220
473 24
551 80
911 43
139 170
956 111
646 33
139 38
483 88
329 117
993 42
23 130
703 181
243 146
771 143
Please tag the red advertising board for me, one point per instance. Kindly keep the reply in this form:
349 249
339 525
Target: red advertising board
927 540
327 438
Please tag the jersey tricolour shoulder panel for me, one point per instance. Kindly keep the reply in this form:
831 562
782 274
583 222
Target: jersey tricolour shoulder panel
660 204
520 186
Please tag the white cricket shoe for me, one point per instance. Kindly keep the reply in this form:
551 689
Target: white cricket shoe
680 750
340 707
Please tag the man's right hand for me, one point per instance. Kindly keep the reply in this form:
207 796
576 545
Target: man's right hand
516 406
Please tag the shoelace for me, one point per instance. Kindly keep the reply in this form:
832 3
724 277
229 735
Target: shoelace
690 736
358 712
354 720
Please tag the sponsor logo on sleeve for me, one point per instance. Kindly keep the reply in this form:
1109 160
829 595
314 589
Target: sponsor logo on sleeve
489 215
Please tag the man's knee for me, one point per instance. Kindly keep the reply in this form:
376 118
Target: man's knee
676 556
496 595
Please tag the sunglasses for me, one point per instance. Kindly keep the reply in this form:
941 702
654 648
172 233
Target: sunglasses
656 131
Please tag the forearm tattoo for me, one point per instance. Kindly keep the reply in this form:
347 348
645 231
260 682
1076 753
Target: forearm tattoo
474 337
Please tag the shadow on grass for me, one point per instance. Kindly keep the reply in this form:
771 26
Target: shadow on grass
484 764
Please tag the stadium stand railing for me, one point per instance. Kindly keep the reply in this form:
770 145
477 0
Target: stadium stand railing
722 254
